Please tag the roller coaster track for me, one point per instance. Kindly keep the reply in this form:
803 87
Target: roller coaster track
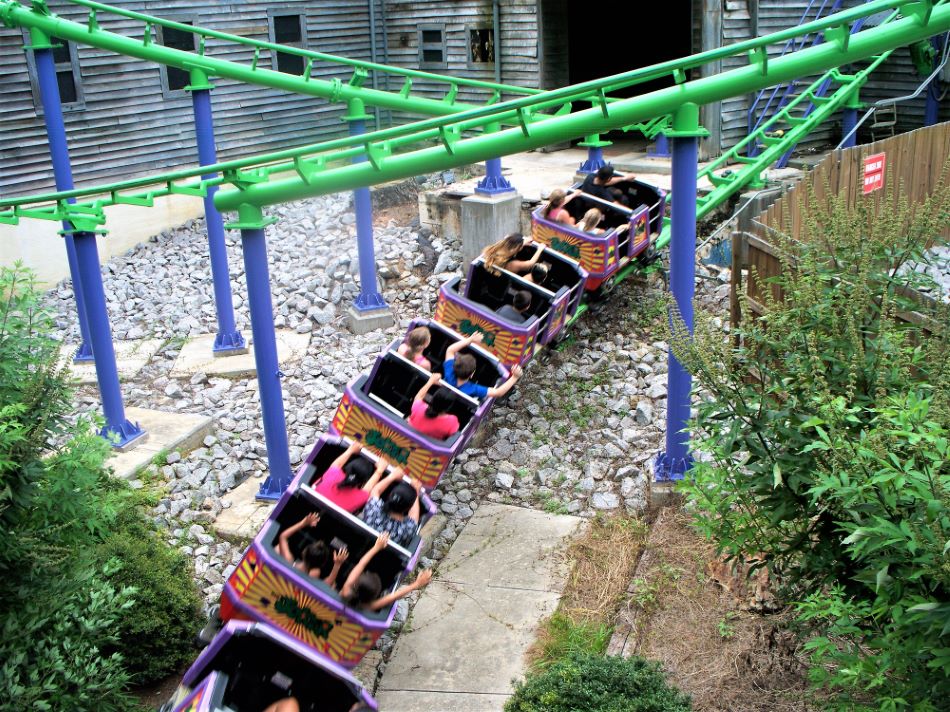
537 120
145 45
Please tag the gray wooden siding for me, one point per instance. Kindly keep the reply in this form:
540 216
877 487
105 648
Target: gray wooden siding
127 128
518 43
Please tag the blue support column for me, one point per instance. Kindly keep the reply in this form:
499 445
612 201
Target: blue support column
932 105
595 154
849 119
494 182
251 223
676 460
228 340
369 298
59 152
119 431
661 148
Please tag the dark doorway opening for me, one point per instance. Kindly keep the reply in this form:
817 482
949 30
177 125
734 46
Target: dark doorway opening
614 36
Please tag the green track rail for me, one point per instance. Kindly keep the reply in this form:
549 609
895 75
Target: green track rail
537 120
145 46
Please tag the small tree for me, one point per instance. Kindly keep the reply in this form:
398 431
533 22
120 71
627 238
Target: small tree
803 465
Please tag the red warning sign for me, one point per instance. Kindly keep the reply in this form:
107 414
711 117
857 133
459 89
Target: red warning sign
874 172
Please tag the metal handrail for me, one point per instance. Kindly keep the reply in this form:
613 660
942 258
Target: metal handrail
897 99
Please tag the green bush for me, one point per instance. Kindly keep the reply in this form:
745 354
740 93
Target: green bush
886 646
584 682
156 637
72 543
823 436
53 654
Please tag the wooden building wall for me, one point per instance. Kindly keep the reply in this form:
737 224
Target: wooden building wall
518 46
128 128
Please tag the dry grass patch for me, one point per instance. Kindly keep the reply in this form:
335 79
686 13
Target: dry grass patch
602 561
697 624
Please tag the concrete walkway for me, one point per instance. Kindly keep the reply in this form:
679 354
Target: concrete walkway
466 639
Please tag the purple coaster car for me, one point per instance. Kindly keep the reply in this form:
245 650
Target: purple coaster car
249 666
375 408
553 302
267 587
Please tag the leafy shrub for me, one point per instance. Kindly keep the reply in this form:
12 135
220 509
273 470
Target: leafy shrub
824 438
65 527
594 683
887 643
52 655
156 636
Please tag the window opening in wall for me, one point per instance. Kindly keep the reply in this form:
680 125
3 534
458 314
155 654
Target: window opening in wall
173 78
432 46
68 76
288 29
481 46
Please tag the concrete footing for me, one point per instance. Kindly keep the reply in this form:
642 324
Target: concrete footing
244 518
130 357
196 355
638 163
166 432
363 322
486 219
467 636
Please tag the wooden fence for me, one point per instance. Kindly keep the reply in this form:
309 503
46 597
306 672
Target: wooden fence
913 160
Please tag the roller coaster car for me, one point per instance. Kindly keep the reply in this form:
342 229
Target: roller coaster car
266 587
488 370
327 449
249 666
553 302
603 255
375 408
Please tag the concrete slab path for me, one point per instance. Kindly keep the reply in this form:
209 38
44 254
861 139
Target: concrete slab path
165 432
196 355
470 629
130 358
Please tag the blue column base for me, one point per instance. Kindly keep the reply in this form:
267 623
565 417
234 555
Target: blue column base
595 161
493 185
667 469
83 353
661 148
225 343
122 436
369 301
273 487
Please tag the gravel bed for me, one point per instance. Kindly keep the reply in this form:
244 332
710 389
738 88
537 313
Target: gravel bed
576 436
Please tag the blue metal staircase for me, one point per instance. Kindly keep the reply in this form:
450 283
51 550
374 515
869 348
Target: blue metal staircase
771 101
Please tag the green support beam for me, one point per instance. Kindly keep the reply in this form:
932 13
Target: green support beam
538 120
757 75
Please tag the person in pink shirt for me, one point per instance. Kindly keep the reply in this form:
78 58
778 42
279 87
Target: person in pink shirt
555 210
416 342
433 419
348 481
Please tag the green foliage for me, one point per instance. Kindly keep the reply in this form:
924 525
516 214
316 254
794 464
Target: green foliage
888 642
66 595
52 655
593 683
155 637
824 433
561 637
